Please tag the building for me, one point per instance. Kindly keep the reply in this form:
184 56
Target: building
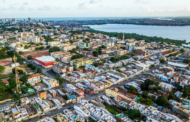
45 61
166 87
121 52
109 44
84 45
67 47
60 68
51 83
64 57
33 79
42 94
81 62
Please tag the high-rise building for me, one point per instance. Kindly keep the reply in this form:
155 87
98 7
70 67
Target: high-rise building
29 20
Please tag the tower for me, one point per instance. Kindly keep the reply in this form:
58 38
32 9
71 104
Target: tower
16 76
29 19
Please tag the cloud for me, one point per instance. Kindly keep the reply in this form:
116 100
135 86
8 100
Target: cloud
2 8
165 9
81 6
45 8
30 9
57 8
12 7
94 1
25 3
21 8
142 1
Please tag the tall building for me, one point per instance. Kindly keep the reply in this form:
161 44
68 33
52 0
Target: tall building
29 20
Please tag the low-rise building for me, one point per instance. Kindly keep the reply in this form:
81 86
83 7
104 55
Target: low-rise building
166 87
81 62
33 79
60 68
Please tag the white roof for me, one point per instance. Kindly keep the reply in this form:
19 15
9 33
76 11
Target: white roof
177 64
46 58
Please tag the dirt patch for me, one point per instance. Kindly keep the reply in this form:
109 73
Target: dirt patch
6 62
42 85
8 70
37 53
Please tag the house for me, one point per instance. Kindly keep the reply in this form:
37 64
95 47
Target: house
81 62
42 94
51 83
121 52
33 79
60 68
166 87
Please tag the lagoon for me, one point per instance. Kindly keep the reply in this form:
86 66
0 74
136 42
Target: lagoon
171 32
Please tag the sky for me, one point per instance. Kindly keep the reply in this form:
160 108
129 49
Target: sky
93 8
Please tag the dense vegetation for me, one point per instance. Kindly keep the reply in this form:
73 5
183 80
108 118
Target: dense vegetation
2 68
123 57
54 49
149 85
77 56
140 37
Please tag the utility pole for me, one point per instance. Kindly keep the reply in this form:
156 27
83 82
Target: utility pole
16 76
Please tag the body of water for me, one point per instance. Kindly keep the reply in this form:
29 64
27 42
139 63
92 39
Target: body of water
171 32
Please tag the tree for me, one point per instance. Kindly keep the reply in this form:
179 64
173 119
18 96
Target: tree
77 56
33 68
95 53
29 57
24 78
186 92
39 70
113 59
103 46
162 61
2 86
30 65
118 70
21 53
59 79
134 113
146 101
19 71
100 51
179 88
12 83
182 50
54 49
72 41
2 68
171 96
145 94
73 50
132 90
162 101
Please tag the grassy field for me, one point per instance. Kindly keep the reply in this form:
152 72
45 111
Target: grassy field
6 95
112 110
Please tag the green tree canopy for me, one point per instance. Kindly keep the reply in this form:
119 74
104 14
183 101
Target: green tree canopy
162 101
39 70
162 61
29 57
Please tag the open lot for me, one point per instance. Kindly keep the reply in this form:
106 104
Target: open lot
4 62
37 53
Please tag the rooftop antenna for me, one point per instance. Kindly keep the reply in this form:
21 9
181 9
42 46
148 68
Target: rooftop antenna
16 76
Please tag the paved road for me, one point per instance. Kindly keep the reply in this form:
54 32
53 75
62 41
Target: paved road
89 97
54 112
